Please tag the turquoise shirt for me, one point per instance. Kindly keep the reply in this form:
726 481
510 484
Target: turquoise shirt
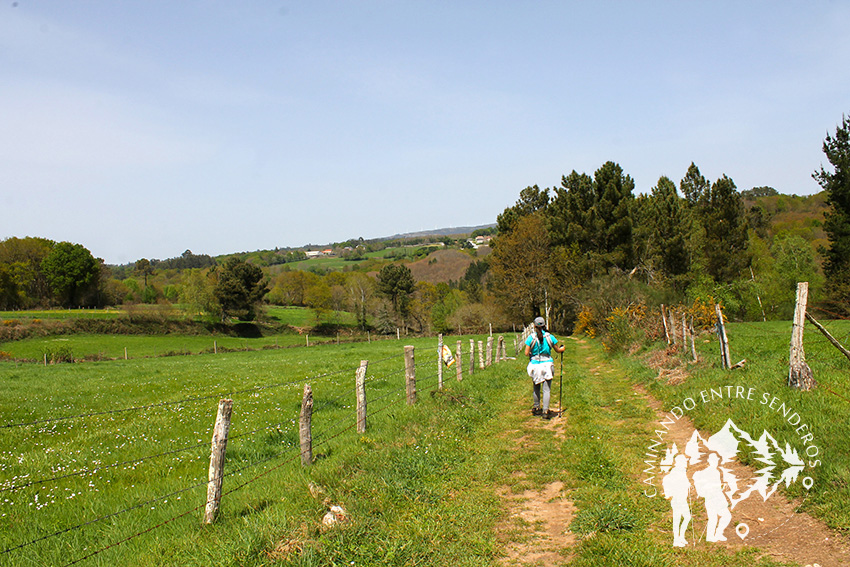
541 353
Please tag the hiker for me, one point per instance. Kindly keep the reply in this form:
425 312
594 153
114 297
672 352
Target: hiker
541 367
709 486
676 488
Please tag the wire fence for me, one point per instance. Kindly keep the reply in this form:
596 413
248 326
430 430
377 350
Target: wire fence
383 380
818 350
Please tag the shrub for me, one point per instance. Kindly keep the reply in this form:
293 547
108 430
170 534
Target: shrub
58 354
584 322
624 327
702 311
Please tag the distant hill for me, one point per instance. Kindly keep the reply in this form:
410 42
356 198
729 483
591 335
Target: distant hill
793 215
444 265
440 232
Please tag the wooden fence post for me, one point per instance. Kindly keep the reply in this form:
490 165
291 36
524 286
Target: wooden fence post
693 341
501 350
219 446
672 317
481 355
664 320
306 426
489 350
724 342
360 388
471 356
440 361
459 362
410 374
800 376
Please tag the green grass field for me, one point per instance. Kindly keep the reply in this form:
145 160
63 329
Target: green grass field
87 346
61 314
98 463
421 486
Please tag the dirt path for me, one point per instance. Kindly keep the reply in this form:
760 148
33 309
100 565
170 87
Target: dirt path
543 518
775 526
536 531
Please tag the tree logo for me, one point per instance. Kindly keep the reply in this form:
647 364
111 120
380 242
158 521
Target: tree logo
727 468
701 469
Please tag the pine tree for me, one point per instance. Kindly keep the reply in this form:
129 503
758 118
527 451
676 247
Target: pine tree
837 222
722 215
667 228
531 199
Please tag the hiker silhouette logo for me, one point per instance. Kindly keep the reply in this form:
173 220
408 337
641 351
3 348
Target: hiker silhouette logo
713 475
698 471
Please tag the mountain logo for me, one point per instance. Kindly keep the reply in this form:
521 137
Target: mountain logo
702 469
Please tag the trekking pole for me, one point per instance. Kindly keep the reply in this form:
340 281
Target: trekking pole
561 384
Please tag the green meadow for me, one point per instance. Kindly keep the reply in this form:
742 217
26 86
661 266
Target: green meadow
105 462
97 346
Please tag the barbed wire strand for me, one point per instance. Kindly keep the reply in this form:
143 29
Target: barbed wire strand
197 485
230 491
191 399
102 468
94 470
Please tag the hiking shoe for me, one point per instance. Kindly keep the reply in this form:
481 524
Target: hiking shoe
549 414
536 411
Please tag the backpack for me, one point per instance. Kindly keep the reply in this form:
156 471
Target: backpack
548 338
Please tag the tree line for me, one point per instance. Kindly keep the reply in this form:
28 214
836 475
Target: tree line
576 252
591 246
39 273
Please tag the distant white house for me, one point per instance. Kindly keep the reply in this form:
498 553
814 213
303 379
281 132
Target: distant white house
480 241
318 253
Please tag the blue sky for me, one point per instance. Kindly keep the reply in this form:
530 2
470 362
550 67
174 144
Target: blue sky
142 129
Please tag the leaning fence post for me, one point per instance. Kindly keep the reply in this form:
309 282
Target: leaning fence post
410 374
693 341
471 356
724 341
360 388
440 361
799 374
306 426
500 350
459 362
219 446
481 355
